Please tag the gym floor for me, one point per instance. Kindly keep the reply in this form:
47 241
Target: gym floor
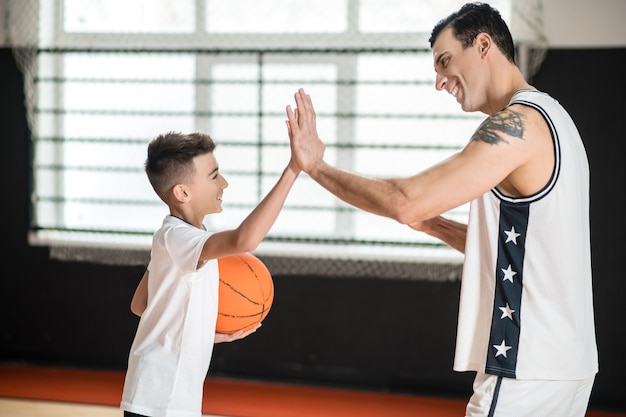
36 391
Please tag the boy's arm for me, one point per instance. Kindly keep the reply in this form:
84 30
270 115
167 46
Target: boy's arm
140 299
256 225
224 337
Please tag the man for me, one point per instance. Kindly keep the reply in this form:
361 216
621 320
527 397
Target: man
526 321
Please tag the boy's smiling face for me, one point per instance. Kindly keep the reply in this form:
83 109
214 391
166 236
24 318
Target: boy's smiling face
207 185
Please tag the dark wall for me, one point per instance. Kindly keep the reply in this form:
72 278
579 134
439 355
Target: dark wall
588 83
381 334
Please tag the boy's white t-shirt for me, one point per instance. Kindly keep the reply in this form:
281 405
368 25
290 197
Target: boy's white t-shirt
171 352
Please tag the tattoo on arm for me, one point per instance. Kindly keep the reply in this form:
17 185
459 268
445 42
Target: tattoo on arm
509 122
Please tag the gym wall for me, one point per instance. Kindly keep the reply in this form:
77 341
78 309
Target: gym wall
391 334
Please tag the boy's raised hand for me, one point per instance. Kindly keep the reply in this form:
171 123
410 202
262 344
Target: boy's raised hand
306 147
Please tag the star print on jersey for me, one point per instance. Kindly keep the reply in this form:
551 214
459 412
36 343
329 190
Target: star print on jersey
501 349
511 236
508 279
506 312
508 274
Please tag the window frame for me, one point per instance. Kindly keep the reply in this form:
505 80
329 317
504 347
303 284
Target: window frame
201 42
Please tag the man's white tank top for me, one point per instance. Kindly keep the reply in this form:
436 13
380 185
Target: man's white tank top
526 308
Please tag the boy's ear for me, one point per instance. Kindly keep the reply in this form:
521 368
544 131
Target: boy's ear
179 191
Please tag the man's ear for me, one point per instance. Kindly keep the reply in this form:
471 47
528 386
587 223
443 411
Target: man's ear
179 191
483 42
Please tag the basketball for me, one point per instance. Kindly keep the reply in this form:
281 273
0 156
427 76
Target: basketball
246 292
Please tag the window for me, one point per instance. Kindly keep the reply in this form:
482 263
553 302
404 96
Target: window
109 75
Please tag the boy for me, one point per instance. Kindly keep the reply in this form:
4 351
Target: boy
171 352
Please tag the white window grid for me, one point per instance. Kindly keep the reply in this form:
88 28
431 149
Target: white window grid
101 97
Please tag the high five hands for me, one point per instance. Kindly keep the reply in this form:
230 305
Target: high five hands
306 147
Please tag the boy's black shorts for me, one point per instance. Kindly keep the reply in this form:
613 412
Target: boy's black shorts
129 414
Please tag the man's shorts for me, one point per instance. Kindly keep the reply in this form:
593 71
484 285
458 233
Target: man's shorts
496 396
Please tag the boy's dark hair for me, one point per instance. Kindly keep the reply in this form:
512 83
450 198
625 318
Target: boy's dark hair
475 18
170 159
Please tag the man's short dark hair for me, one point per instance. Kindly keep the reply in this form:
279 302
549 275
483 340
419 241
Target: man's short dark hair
475 18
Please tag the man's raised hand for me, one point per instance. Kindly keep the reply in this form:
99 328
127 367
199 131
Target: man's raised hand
306 147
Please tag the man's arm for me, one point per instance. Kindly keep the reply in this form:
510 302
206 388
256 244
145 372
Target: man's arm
482 165
450 232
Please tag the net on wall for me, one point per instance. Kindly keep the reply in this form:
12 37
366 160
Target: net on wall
45 33
33 24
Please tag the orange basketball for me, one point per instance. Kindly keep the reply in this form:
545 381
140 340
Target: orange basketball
246 292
